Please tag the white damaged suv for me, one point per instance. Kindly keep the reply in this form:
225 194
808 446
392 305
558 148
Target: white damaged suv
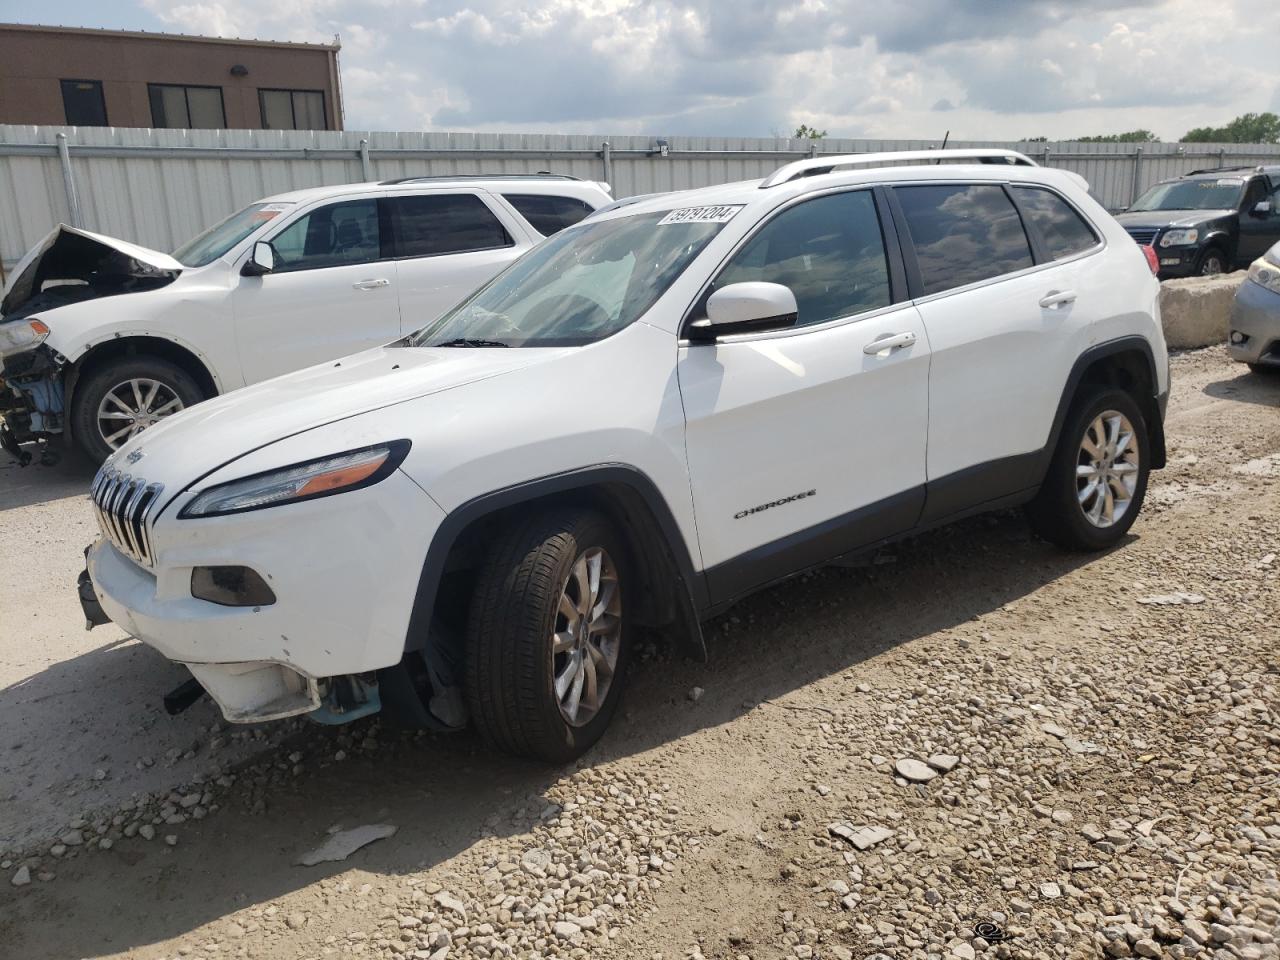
657 411
100 339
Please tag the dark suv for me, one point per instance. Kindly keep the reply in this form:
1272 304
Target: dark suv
1209 221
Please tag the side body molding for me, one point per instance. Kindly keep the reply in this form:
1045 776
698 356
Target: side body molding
689 598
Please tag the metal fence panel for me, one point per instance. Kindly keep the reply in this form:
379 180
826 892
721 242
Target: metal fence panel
161 187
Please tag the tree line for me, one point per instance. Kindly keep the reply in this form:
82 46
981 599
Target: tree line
1247 128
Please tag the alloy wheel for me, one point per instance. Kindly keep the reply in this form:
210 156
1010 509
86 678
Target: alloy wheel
587 636
1212 266
1107 468
130 407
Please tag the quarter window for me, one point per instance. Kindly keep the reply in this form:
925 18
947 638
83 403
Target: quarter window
186 108
548 214
431 224
963 233
292 109
337 235
1063 230
829 251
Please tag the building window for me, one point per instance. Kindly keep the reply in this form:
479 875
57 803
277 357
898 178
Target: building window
186 108
84 104
292 109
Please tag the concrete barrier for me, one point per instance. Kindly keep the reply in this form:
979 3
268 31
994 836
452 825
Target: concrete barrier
1195 310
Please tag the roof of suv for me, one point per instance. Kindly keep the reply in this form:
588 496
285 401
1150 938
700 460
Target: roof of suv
504 183
1212 172
811 174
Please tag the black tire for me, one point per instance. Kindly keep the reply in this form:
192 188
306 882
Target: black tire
1056 512
510 663
99 382
1212 262
1265 370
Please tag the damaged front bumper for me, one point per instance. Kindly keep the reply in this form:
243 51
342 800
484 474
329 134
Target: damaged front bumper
31 399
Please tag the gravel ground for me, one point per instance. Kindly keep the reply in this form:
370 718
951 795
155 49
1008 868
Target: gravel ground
969 734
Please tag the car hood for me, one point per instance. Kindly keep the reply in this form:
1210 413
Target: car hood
1169 218
188 445
70 265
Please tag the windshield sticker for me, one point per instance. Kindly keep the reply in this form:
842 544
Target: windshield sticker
721 214
1230 183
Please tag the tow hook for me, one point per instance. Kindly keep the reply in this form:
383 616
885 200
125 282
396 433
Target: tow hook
182 696
94 615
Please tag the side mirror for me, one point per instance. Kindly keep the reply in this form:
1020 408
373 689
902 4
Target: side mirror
1262 208
745 308
261 261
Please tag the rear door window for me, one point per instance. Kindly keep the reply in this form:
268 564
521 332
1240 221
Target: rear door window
427 225
1062 229
334 235
549 214
829 251
963 233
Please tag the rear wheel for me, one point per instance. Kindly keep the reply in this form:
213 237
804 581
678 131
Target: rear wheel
548 636
1097 479
123 397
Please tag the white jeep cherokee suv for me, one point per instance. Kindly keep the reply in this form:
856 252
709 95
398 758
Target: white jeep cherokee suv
675 402
100 338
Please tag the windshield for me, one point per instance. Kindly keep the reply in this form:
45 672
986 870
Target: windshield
1192 195
581 285
222 236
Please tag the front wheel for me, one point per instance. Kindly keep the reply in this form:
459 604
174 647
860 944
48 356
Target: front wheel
120 399
548 636
1212 263
1097 479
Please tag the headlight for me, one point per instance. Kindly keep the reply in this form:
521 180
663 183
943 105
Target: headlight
19 336
1265 274
302 481
1179 238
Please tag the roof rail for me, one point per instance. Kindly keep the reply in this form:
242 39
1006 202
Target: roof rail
481 176
812 166
1256 168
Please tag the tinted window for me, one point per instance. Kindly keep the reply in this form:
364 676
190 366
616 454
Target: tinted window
188 108
548 214
829 251
1064 231
963 233
332 236
82 100
292 109
444 223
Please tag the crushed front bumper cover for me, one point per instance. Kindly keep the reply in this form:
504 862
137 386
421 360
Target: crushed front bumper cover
31 399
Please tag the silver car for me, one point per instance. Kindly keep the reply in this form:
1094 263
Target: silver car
1255 317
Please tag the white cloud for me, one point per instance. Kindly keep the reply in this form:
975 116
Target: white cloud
998 69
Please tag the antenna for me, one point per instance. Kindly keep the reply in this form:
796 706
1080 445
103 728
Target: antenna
945 138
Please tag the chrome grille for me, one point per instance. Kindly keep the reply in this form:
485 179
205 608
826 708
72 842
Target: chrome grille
124 505
1143 235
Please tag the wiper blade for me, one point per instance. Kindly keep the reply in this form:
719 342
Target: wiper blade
471 342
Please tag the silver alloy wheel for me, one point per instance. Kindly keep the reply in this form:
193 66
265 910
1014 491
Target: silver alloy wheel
587 636
1212 265
129 408
1107 469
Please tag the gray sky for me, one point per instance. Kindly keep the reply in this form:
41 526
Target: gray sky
999 69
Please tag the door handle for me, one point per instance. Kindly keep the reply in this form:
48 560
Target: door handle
1057 298
889 341
371 284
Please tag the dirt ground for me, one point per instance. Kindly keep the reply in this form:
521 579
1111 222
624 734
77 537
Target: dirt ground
1100 741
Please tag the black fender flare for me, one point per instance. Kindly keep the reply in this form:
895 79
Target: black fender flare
1153 406
690 586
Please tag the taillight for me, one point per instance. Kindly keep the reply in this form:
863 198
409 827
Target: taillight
1152 260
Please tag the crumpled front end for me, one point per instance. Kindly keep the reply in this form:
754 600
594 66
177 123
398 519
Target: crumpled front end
31 399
